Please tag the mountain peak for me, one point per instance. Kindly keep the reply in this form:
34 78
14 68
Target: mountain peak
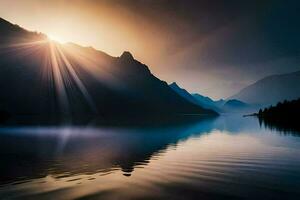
126 55
174 84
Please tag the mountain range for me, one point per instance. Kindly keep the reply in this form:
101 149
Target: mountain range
271 90
265 92
220 106
42 77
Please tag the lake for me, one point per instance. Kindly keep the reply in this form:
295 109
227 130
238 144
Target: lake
228 157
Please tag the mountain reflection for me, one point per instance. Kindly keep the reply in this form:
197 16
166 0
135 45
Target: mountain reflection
64 151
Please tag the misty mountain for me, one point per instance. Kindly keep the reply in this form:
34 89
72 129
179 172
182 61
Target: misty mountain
208 102
42 77
197 99
220 106
234 105
271 90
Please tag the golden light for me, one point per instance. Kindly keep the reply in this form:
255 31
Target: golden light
56 38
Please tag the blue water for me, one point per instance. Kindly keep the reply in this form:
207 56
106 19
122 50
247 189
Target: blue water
229 157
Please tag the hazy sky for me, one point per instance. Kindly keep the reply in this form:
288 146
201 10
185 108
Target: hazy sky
211 47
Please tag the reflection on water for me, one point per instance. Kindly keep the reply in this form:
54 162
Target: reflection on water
227 157
285 126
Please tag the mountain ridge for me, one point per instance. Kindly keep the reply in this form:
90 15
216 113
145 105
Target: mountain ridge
271 89
220 106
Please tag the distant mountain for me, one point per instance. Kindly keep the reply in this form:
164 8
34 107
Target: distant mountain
207 102
197 99
271 89
220 102
220 106
42 77
236 105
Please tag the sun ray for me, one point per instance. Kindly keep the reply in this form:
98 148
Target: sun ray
77 80
24 44
58 81
98 68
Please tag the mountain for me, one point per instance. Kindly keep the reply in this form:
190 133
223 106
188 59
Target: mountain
197 99
234 105
271 89
220 106
220 102
42 77
208 102
183 93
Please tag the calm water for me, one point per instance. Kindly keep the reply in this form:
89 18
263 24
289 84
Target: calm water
229 157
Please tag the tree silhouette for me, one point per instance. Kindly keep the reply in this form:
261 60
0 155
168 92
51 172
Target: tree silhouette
284 116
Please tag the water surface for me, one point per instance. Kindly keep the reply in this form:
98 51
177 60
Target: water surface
229 157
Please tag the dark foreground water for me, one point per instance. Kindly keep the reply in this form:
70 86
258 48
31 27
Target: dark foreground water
229 157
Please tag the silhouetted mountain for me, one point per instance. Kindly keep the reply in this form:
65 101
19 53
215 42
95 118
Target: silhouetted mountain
204 99
42 77
207 102
10 33
197 99
271 89
182 92
284 116
220 106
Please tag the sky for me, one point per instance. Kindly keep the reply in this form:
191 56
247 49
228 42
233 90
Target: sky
211 47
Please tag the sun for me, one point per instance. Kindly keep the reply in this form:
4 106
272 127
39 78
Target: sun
56 38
